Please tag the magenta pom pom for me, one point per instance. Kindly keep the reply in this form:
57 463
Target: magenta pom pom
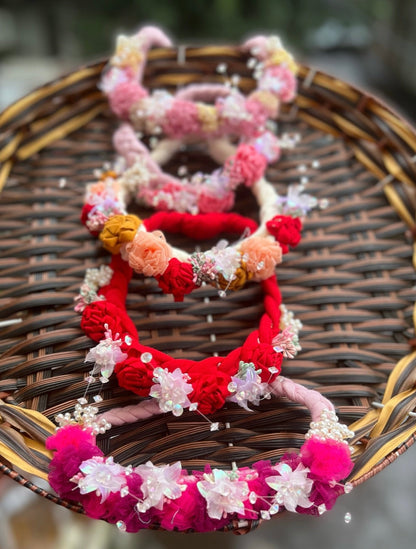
327 459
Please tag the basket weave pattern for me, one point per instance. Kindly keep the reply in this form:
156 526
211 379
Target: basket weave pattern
350 281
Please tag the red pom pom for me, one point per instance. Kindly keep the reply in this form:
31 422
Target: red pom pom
177 279
286 230
327 459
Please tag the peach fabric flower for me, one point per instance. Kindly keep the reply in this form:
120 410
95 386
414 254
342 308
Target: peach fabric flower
148 253
261 255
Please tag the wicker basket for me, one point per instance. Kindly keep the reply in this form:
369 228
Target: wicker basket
350 281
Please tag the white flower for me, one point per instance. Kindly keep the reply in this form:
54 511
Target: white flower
292 487
159 482
226 258
100 475
296 202
247 386
222 494
106 355
171 390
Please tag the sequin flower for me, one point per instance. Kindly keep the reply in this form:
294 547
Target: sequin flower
159 483
100 475
292 486
226 258
296 202
247 386
106 355
222 494
171 390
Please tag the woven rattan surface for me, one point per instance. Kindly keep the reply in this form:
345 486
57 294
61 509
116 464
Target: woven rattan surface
350 281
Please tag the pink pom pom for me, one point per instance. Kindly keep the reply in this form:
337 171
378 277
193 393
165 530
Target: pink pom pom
124 96
182 119
327 459
281 81
209 203
247 165
71 435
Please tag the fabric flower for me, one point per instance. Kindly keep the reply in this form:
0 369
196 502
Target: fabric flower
247 386
210 387
247 165
261 255
292 486
171 390
134 375
222 494
264 357
148 253
100 475
119 230
239 279
177 279
181 119
106 355
123 96
286 230
159 482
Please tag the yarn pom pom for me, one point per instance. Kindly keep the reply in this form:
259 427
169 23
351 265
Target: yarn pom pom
124 96
327 459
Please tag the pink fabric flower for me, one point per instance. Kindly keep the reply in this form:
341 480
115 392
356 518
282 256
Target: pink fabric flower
181 119
148 253
247 165
123 97
280 81
210 203
262 255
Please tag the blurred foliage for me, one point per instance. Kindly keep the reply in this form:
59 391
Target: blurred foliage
95 22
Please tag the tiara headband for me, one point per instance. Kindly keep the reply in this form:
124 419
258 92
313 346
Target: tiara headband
184 117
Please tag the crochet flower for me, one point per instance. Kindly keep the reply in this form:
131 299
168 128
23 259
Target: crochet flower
119 230
247 165
159 483
261 255
178 279
106 355
148 253
100 475
292 486
171 390
222 494
286 230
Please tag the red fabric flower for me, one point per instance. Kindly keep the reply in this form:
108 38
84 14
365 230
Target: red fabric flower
99 313
84 217
210 385
286 230
135 376
247 165
177 279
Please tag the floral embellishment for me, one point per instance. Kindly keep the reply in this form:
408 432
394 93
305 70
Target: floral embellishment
148 253
171 390
287 342
292 486
286 230
261 255
247 386
159 483
296 203
222 494
100 475
106 355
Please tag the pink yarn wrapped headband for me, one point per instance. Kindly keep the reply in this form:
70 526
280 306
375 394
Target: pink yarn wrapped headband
225 115
148 495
